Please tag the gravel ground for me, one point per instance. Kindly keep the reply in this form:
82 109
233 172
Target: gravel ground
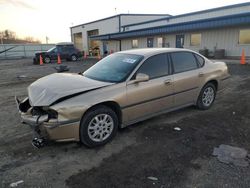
147 149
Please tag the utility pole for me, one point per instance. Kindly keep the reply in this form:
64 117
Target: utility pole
1 36
47 39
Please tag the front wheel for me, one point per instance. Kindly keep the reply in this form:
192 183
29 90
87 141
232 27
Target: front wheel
73 57
206 97
98 126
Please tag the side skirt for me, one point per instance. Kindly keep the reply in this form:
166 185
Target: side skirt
125 124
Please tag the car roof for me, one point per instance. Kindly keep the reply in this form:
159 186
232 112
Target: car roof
153 51
64 43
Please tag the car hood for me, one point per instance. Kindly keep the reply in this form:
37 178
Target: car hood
55 87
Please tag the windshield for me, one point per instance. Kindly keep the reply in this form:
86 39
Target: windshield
113 68
51 49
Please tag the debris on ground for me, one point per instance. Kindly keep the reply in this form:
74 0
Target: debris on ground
177 129
21 76
153 178
229 154
15 184
61 68
38 142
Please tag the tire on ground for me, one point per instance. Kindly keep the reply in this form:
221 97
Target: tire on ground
85 123
200 104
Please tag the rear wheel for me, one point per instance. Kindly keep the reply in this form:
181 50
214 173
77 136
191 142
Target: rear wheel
206 97
47 59
98 126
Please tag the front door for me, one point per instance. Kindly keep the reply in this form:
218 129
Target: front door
179 41
62 51
54 53
147 98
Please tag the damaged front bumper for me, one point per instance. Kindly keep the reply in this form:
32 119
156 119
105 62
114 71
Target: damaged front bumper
34 120
46 125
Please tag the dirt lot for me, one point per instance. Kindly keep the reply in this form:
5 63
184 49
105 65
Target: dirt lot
150 148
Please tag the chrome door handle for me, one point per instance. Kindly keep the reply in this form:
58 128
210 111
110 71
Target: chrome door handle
201 74
168 82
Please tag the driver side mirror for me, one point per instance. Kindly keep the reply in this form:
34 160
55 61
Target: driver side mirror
140 77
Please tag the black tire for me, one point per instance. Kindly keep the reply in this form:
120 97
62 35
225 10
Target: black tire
86 123
200 101
73 57
47 59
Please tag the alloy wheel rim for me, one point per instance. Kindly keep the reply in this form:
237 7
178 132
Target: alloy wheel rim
74 58
46 60
100 127
208 96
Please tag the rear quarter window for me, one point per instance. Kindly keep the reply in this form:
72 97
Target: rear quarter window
200 60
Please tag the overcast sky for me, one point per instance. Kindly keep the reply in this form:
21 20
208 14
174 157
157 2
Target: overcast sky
52 18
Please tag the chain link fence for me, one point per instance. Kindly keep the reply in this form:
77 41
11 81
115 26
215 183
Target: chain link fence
12 51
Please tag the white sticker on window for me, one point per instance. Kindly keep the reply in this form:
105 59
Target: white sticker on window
128 60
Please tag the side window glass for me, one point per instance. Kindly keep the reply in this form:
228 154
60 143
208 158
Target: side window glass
65 49
183 61
155 66
58 49
200 60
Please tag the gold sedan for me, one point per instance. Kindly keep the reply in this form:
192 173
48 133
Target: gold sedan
120 90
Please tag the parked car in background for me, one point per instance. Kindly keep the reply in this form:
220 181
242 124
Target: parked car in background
120 90
66 51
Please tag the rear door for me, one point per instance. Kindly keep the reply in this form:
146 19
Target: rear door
53 54
147 98
186 77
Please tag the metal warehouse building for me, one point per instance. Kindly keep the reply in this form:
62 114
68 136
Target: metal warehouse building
218 32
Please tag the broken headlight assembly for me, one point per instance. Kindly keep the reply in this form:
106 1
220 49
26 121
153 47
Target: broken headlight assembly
51 113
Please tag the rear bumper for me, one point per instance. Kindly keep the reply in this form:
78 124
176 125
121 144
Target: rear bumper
224 83
49 129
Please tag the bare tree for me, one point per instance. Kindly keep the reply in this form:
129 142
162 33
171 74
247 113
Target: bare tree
8 36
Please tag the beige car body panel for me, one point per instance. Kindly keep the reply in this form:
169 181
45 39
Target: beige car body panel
136 101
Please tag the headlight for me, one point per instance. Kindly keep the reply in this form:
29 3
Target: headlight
52 113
